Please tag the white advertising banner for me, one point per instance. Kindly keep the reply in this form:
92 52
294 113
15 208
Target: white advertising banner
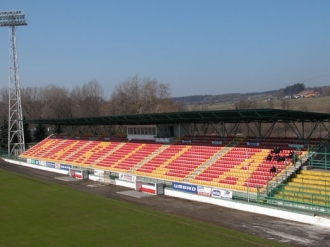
205 191
98 173
42 162
225 194
127 177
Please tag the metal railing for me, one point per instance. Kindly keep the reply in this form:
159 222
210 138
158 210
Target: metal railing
318 156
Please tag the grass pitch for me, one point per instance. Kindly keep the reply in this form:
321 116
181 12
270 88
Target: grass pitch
39 213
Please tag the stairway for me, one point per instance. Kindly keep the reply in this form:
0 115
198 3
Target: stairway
147 159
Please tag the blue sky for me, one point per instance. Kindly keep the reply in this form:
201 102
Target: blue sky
198 47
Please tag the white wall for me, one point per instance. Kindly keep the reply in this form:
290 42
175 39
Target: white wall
252 208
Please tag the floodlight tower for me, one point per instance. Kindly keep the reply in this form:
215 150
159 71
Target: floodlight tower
16 143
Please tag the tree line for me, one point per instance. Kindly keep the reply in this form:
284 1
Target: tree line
134 96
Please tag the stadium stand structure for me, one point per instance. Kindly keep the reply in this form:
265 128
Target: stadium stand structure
164 147
308 187
230 166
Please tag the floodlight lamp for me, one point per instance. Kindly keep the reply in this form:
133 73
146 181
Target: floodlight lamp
12 18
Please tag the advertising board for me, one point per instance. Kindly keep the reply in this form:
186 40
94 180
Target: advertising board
42 162
50 164
184 187
225 194
98 172
65 167
127 177
205 191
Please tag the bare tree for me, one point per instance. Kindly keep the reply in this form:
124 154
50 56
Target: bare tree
326 91
137 96
126 97
87 100
31 102
57 102
4 99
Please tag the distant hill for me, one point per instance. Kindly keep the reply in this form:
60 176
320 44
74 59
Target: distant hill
234 97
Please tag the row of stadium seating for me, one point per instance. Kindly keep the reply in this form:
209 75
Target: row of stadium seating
311 187
220 166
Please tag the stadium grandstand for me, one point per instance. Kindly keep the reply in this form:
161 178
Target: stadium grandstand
241 153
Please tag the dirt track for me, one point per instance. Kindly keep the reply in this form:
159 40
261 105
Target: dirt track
294 234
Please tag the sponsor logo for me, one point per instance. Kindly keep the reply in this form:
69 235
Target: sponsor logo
205 191
42 162
225 194
216 193
127 177
98 172
65 167
50 164
185 187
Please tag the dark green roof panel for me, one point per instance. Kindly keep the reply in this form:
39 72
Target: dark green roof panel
226 116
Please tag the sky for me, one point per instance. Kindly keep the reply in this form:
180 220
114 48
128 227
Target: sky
198 47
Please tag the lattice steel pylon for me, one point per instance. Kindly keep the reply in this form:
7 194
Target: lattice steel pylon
16 143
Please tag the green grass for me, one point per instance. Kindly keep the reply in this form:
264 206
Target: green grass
38 213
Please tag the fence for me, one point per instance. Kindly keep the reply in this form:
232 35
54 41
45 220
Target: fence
319 157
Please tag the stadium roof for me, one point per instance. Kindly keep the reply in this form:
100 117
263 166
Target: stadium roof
225 116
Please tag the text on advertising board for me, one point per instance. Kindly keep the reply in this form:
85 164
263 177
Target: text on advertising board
226 194
65 167
184 187
50 164
127 177
42 162
205 191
